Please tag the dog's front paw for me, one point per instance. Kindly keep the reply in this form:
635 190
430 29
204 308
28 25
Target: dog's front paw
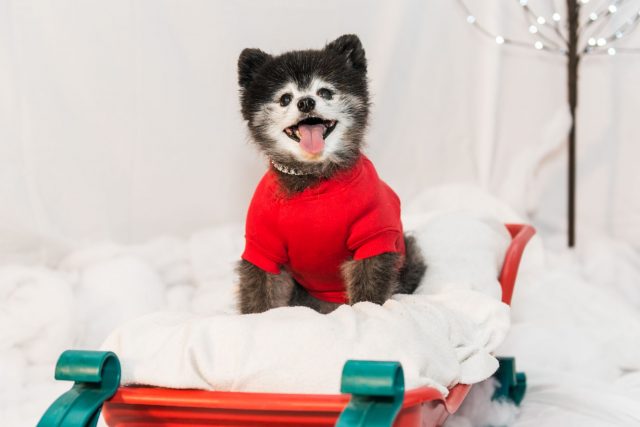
252 289
372 279
260 291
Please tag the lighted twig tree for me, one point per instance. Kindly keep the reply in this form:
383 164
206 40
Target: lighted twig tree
584 33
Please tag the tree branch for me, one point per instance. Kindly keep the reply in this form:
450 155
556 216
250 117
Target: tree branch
538 45
618 34
533 19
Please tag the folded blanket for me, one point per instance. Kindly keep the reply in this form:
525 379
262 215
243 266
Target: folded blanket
443 335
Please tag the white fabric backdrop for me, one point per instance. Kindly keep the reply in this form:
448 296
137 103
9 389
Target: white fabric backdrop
120 119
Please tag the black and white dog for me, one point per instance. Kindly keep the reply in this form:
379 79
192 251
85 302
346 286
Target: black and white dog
322 228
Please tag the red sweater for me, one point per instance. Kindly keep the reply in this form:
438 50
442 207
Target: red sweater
353 215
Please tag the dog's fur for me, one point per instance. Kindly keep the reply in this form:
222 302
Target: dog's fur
265 80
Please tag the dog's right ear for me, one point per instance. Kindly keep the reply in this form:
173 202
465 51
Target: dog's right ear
249 62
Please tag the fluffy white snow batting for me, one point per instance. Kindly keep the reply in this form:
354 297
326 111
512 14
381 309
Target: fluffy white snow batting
575 319
443 335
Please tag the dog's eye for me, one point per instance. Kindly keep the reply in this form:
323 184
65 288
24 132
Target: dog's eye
285 99
325 93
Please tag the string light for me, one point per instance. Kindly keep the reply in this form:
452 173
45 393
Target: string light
556 41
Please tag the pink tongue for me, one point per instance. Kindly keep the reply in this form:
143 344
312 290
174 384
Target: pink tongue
311 139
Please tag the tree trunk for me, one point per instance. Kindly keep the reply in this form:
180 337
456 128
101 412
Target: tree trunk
573 60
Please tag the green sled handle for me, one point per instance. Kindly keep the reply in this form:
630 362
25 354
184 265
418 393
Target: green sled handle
97 377
512 385
377 393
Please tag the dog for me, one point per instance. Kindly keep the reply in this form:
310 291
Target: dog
322 228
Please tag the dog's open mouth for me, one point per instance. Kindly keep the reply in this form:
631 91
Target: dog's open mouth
311 133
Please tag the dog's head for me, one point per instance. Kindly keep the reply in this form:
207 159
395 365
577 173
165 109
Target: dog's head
307 110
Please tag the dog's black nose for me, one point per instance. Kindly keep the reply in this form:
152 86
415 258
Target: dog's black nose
306 104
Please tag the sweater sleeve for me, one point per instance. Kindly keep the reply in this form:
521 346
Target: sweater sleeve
390 240
378 228
264 246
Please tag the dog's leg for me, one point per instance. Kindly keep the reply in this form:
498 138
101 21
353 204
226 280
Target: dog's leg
414 266
372 279
260 291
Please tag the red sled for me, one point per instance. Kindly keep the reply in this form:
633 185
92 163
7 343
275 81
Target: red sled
373 392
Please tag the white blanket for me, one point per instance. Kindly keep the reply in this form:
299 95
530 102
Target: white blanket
443 335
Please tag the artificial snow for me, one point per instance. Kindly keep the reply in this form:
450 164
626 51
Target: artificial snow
575 318
576 334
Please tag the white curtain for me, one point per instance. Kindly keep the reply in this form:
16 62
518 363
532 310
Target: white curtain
120 120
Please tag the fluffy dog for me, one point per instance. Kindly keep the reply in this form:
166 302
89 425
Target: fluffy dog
322 228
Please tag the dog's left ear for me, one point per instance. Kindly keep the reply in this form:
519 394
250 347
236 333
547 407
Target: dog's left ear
350 47
248 64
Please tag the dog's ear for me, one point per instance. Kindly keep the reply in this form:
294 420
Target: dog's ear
249 62
350 47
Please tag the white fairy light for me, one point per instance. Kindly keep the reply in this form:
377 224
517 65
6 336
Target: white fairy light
559 42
